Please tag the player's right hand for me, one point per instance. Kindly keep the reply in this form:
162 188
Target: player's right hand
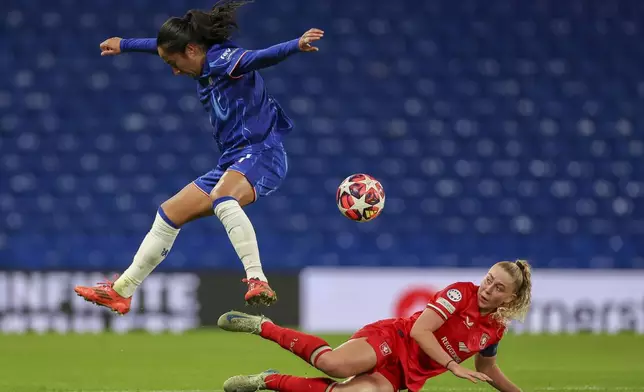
111 46
462 372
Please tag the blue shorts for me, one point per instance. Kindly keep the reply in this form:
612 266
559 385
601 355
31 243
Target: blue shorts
264 169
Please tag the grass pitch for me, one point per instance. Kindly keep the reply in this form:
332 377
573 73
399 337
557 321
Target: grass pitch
201 361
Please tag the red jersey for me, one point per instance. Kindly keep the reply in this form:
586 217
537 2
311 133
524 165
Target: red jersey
464 333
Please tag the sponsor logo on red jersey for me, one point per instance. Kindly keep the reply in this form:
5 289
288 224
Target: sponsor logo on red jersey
446 304
450 349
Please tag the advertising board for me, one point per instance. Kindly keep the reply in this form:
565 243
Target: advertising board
166 302
597 301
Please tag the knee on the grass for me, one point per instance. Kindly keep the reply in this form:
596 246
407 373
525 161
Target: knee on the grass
334 365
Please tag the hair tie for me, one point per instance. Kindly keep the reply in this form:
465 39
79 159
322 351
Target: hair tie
522 269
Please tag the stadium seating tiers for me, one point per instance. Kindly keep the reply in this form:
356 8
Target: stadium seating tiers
499 130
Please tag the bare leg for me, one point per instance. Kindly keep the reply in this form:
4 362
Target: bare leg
375 382
188 204
231 193
351 358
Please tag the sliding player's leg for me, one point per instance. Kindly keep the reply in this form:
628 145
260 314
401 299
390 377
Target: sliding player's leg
374 382
354 357
188 204
250 176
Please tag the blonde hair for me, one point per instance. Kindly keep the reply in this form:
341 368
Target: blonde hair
521 275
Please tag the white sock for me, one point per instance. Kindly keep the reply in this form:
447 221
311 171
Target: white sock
153 250
242 235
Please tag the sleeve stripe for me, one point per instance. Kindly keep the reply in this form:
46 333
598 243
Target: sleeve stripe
437 309
235 66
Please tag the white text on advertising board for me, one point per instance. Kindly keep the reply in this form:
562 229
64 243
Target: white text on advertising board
563 301
46 302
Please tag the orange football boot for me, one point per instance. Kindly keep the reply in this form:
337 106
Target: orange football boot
259 293
104 295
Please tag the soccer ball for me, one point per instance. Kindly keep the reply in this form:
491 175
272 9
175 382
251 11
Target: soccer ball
360 197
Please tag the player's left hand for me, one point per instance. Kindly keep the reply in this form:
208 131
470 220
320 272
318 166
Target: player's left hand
468 374
310 36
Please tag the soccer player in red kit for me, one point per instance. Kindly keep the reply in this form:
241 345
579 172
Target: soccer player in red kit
461 321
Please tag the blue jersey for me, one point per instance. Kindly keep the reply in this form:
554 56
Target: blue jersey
243 115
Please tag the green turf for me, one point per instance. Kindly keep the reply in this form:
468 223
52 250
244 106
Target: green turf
201 361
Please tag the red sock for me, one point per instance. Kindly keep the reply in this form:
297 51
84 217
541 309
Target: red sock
284 383
301 344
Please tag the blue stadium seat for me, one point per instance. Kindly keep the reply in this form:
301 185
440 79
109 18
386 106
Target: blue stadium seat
499 130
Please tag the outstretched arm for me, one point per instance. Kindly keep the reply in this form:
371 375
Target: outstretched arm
423 333
252 60
145 45
117 45
487 365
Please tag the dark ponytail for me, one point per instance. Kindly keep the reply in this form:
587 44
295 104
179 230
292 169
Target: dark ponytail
199 27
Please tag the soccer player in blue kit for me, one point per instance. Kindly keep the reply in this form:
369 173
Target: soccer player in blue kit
248 127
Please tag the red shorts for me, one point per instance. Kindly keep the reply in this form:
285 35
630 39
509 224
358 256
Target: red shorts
386 341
